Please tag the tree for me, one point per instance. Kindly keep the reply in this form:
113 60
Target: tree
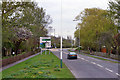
19 15
11 15
21 34
94 22
114 10
107 40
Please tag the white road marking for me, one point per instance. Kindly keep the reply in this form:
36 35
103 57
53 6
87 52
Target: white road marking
82 58
87 60
93 62
99 65
117 74
96 64
109 70
78 57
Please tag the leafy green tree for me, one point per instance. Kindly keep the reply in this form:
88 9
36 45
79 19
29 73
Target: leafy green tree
20 35
107 39
16 15
94 22
114 9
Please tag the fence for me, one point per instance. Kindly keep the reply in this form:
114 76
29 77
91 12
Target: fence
15 58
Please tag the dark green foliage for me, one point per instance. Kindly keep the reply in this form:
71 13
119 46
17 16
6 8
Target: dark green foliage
17 15
96 29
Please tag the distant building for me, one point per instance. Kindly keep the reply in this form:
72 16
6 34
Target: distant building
45 42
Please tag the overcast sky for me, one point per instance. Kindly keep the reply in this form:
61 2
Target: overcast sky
70 9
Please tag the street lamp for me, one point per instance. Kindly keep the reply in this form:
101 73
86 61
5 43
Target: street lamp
61 38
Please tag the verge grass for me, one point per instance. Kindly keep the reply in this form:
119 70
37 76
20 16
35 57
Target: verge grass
40 66
99 58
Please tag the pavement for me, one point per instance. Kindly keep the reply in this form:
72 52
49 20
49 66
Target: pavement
10 65
88 67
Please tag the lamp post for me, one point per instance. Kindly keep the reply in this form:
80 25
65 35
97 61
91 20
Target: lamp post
61 38
79 39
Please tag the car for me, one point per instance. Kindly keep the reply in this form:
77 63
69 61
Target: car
72 55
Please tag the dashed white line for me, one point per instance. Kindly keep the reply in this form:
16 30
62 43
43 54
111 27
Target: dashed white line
99 65
108 69
87 60
117 74
82 58
93 62
78 57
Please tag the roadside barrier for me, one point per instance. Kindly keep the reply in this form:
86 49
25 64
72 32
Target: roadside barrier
15 58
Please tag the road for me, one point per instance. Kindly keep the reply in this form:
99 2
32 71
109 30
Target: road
88 67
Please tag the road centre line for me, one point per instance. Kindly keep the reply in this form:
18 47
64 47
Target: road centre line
86 60
109 70
99 65
117 74
93 62
82 58
79 57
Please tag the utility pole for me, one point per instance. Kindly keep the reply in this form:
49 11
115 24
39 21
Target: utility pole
78 27
79 39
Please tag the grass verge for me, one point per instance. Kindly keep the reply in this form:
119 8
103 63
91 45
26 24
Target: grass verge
100 58
103 59
40 66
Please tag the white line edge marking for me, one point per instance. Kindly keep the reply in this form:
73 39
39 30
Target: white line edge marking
108 69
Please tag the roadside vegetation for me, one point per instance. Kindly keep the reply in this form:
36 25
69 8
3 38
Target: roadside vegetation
40 66
22 25
99 29
100 58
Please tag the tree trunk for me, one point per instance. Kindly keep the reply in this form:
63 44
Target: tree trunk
108 52
117 53
17 44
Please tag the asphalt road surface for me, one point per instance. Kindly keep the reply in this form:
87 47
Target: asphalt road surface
88 67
